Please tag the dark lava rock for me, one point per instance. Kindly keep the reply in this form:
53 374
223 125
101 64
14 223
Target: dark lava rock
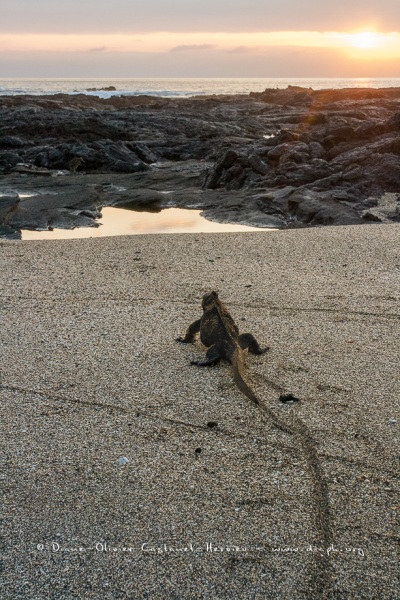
8 206
9 233
104 155
288 398
8 160
283 158
109 88
368 216
307 207
11 141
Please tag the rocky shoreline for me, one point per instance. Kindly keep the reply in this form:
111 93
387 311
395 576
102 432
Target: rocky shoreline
280 158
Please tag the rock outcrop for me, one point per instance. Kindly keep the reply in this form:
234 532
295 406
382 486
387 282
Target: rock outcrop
288 158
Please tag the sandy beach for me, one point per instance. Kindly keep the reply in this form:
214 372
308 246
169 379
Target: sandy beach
130 473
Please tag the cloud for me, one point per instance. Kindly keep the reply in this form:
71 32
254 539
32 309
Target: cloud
98 49
119 16
244 49
188 47
201 44
272 62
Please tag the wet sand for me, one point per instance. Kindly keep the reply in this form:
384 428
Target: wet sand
115 484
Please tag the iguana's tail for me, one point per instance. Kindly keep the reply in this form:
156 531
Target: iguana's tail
322 517
237 366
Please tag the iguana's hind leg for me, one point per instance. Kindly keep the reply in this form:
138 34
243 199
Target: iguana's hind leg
247 340
191 332
213 356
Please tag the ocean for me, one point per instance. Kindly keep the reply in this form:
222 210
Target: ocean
184 87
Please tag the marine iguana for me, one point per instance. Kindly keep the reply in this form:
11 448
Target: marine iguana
220 334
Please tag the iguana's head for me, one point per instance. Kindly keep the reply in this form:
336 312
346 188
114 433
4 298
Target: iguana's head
210 300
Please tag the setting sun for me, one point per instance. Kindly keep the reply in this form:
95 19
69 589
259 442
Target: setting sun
365 39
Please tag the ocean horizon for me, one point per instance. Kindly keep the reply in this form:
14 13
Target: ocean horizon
178 87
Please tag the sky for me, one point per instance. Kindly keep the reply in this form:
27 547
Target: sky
199 38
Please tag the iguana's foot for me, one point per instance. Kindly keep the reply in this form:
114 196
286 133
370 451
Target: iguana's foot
205 363
263 350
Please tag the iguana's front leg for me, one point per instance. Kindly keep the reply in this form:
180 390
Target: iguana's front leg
213 356
191 332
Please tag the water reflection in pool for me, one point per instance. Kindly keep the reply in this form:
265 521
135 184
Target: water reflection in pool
118 221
